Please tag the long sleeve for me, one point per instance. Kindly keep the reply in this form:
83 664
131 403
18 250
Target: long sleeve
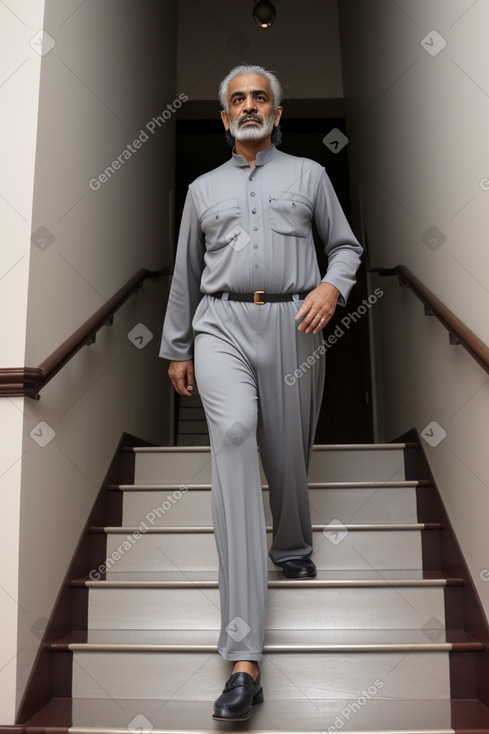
185 294
341 246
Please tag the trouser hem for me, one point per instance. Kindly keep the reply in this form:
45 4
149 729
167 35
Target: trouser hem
290 558
245 655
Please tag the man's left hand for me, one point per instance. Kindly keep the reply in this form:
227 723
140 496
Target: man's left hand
318 308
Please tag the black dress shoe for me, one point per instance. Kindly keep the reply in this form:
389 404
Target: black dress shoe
298 568
240 693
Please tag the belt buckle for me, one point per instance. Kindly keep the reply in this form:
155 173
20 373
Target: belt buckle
256 300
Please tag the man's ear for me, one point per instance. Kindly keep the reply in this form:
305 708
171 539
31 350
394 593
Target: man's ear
225 119
278 115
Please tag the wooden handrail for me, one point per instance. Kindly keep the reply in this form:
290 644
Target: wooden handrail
28 381
458 332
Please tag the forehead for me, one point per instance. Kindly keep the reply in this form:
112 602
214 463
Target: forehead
248 82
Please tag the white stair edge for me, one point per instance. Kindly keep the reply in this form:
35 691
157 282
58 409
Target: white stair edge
293 583
117 530
317 447
203 730
419 647
312 485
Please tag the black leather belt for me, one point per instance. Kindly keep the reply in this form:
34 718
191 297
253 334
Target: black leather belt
259 297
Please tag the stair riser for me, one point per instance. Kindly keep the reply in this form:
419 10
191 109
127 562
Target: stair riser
331 466
192 439
165 508
357 714
315 676
192 427
189 413
197 551
287 608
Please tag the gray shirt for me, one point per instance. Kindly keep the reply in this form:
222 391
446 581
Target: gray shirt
245 229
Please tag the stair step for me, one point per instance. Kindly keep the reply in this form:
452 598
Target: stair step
192 439
291 606
299 641
311 485
192 426
276 579
191 413
191 401
363 712
332 528
317 448
367 502
405 673
355 462
336 546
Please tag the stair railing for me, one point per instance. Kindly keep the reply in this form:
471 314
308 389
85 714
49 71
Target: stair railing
458 332
28 381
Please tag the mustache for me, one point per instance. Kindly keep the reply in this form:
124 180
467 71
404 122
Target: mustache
251 116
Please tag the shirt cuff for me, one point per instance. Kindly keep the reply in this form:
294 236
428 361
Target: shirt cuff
341 286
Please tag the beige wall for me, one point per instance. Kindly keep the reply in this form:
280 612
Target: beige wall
302 46
19 93
111 70
417 124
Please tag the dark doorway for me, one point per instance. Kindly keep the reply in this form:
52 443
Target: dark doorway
346 413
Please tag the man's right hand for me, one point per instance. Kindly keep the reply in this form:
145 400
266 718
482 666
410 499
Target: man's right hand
182 376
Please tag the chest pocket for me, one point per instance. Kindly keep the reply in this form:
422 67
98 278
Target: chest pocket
218 223
290 213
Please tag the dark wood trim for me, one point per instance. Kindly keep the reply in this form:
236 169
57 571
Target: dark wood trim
469 672
458 331
28 381
58 712
51 674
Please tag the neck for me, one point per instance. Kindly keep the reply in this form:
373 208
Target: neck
250 148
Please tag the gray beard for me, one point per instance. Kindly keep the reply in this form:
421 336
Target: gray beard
252 133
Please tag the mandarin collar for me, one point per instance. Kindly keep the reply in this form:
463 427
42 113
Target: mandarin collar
262 157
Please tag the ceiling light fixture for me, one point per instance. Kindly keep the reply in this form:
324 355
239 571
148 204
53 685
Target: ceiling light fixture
264 13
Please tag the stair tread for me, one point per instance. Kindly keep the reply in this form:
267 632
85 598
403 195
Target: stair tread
316 447
401 484
331 527
376 716
369 577
293 638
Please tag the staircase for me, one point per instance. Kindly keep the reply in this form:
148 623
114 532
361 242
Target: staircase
191 429
379 641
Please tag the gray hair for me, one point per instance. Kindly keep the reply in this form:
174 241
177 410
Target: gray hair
250 69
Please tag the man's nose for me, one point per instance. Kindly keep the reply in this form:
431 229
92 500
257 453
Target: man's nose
249 104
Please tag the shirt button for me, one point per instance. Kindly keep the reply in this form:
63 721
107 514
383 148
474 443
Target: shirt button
255 229
257 266
255 246
253 211
252 193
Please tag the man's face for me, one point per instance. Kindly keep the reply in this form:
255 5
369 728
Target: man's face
251 114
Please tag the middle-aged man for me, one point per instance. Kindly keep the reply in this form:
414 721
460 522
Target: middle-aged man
247 305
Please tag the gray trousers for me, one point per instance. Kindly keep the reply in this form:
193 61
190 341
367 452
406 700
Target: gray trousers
245 357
